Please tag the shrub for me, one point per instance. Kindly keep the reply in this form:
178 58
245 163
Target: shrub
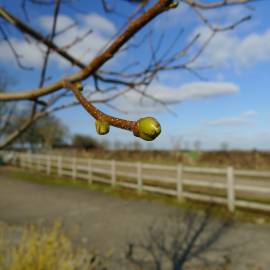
39 248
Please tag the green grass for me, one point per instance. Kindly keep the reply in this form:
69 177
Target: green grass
129 194
195 155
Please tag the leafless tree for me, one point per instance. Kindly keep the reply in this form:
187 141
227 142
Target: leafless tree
46 133
54 94
136 146
224 146
176 143
6 109
197 145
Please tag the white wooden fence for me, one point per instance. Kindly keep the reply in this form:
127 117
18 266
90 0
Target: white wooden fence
234 188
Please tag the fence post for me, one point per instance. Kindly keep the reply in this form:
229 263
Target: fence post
21 161
48 169
29 161
90 179
230 189
74 168
139 177
39 163
14 159
35 163
179 181
59 166
113 173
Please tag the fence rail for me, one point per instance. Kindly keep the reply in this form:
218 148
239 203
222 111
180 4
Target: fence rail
230 187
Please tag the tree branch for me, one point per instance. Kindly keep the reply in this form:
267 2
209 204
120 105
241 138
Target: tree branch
217 4
101 59
99 115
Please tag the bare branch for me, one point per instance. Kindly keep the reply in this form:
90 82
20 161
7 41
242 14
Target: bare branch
36 35
13 50
216 4
18 132
99 115
102 58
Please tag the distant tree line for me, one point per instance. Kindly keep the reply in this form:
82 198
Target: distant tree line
50 132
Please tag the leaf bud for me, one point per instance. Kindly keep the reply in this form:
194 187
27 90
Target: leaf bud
102 127
147 128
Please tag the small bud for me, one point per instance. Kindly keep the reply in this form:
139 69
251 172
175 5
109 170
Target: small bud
102 127
79 86
148 128
173 5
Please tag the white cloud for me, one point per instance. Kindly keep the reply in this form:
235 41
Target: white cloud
185 16
228 49
176 17
100 23
31 54
250 113
134 102
226 15
63 22
244 118
91 21
240 47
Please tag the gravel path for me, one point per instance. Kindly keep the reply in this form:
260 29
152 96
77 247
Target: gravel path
106 222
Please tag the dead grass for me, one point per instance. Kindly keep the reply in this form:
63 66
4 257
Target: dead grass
37 248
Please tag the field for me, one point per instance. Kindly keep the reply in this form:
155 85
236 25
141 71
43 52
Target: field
255 160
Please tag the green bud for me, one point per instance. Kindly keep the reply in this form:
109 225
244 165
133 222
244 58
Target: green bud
102 127
173 5
148 128
79 86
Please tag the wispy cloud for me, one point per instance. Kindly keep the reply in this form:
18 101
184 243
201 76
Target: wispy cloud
242 47
185 13
134 102
32 54
228 15
244 118
228 48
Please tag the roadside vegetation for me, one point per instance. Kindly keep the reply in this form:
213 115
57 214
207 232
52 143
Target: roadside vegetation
35 247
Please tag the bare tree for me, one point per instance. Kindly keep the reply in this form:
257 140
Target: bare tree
50 96
47 132
136 146
6 109
197 145
224 146
176 143
84 142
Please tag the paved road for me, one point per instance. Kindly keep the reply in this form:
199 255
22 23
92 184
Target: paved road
108 222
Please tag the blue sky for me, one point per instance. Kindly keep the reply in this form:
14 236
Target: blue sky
231 106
